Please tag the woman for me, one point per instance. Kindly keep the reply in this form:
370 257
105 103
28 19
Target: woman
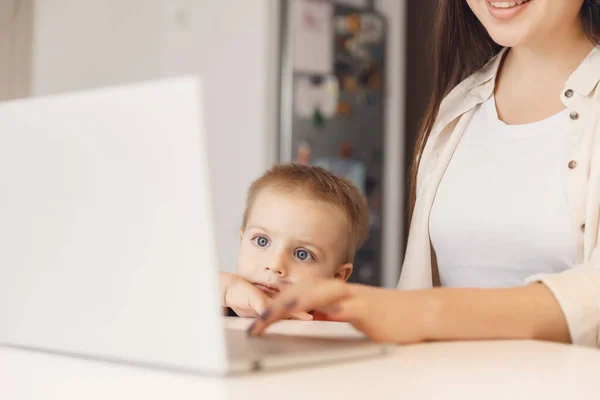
506 187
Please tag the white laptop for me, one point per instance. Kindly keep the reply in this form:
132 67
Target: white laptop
107 248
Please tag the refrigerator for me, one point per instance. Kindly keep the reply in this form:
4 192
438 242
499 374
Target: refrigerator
331 108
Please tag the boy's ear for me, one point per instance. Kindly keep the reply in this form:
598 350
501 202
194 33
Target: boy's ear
345 271
241 233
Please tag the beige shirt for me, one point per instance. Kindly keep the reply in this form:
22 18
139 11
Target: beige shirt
576 290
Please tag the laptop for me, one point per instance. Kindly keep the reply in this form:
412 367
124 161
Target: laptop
107 245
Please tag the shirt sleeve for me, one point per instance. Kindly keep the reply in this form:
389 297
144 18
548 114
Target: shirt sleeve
578 294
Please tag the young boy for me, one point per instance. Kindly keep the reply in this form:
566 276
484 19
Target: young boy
300 222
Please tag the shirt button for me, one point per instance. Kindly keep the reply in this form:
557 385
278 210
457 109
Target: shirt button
574 115
582 227
568 93
572 164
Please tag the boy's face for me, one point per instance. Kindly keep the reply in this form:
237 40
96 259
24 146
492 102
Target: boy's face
290 237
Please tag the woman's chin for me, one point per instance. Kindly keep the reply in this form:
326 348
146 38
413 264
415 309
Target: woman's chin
506 36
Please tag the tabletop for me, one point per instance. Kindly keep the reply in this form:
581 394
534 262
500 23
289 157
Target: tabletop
464 370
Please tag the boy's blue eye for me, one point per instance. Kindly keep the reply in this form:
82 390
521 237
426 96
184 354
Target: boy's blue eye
303 255
261 241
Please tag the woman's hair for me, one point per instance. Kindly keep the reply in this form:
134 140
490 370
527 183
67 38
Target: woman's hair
461 46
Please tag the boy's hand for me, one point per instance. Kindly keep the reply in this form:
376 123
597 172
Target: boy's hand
246 299
241 296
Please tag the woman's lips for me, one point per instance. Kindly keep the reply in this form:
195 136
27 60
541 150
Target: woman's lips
505 10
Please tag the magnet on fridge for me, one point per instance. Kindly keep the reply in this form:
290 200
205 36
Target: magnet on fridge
371 28
353 23
303 153
367 72
349 84
318 118
346 149
317 92
357 50
374 82
345 24
344 108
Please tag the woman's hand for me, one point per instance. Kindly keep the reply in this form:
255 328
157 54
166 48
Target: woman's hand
523 312
382 314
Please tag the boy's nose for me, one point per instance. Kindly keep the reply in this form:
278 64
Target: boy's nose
278 267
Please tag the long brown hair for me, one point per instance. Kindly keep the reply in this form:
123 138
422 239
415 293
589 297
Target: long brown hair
461 46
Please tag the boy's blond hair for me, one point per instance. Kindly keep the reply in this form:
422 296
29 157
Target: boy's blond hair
322 185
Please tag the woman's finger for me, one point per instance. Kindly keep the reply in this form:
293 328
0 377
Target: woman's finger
257 303
302 315
301 297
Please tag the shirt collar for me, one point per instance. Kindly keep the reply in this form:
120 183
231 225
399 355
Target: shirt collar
479 87
475 89
488 72
585 78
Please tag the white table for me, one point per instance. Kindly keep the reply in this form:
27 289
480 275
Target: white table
463 370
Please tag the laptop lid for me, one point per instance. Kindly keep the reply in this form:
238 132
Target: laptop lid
106 233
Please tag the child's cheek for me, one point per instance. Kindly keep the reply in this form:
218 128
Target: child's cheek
315 271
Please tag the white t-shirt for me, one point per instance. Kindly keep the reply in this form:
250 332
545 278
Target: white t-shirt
501 212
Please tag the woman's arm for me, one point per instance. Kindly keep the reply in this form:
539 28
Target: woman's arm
527 312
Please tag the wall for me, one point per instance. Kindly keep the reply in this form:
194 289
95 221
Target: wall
233 45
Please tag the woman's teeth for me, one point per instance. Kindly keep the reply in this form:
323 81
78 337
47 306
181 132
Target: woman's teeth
507 4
